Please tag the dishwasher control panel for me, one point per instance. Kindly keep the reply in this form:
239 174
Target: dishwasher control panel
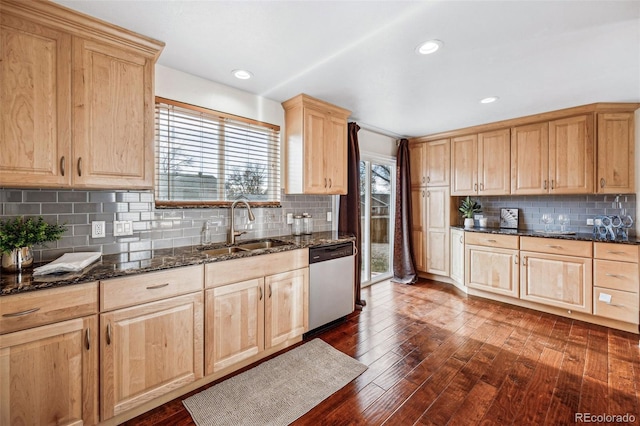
324 253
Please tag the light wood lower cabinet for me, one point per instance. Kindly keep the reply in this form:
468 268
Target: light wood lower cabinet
149 350
48 374
437 238
616 282
457 256
286 306
234 323
492 269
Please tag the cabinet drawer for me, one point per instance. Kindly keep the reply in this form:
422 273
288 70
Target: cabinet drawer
622 307
32 309
620 252
147 287
556 246
491 240
616 275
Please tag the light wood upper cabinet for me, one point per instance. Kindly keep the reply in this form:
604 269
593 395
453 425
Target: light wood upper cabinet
530 159
149 350
571 162
554 157
76 100
438 162
480 164
418 164
315 146
113 117
616 153
35 103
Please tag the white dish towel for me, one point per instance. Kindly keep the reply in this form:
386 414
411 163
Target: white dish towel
68 262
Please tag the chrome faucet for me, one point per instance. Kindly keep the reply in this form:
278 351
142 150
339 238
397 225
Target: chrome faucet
232 232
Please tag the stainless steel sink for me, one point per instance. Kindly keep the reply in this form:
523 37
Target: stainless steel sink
265 244
222 251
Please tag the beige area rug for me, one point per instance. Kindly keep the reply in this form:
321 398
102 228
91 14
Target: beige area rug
278 391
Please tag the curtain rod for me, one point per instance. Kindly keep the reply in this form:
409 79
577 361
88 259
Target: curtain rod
377 130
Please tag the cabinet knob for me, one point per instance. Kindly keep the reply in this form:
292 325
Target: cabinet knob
603 182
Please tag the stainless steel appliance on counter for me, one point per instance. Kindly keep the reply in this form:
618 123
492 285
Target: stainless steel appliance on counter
331 283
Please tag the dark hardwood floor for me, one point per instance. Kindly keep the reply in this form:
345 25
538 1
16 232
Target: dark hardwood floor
437 356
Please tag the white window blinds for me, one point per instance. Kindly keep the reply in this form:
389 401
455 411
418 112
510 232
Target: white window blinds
205 157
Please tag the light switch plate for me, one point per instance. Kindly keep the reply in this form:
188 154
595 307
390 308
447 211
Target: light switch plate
122 228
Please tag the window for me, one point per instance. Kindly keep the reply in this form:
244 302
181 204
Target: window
209 158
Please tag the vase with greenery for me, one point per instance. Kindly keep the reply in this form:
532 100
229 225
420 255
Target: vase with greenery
467 209
19 235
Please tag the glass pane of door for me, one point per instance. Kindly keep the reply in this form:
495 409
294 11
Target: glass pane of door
377 202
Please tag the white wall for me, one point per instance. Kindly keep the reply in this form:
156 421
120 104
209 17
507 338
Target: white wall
183 87
376 143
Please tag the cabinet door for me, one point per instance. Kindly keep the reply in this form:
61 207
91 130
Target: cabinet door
464 165
149 350
113 117
418 227
457 256
438 161
492 269
562 281
616 157
49 374
286 306
35 104
234 323
438 230
314 135
335 161
418 164
571 162
530 159
494 163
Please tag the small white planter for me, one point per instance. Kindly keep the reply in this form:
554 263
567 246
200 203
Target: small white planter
468 222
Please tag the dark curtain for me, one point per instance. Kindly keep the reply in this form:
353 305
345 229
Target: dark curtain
349 216
404 269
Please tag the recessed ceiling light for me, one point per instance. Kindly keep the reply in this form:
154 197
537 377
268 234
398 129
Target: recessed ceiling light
429 47
242 74
489 100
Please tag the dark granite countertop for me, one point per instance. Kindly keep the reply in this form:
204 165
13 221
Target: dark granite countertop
111 266
529 233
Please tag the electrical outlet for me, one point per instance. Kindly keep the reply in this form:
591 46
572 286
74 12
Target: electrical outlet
328 216
98 229
289 218
122 227
590 221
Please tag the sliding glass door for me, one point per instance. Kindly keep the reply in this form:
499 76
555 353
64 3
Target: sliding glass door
377 188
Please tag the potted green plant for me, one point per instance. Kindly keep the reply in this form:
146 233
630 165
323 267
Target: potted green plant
19 235
468 208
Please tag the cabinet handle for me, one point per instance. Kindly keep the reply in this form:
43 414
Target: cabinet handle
21 313
325 182
62 164
423 179
482 186
491 241
524 261
108 333
475 187
603 182
428 194
87 339
330 183
554 247
615 252
260 288
461 240
553 184
153 287
614 275
79 166
428 179
423 193
516 259
545 184
269 291
616 305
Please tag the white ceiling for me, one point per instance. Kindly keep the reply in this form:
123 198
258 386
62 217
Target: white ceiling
535 55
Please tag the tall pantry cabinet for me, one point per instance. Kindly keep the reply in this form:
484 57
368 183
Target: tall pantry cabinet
430 204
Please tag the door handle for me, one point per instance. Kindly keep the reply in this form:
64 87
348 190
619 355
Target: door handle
108 333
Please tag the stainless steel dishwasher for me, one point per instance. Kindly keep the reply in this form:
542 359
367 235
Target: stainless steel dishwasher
331 283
